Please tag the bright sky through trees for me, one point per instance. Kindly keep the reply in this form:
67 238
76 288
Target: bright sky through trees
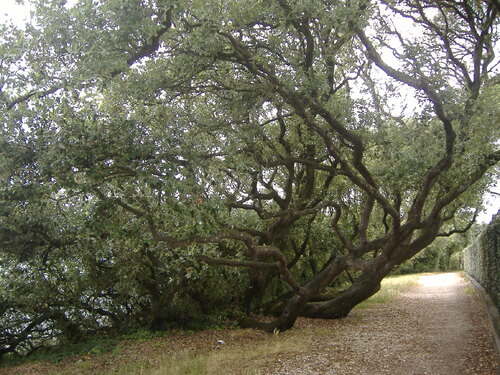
19 13
12 10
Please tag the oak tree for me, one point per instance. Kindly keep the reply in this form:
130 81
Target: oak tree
300 140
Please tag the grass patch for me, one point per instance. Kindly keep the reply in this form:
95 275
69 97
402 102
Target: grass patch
240 359
55 354
100 344
143 335
470 291
247 355
391 288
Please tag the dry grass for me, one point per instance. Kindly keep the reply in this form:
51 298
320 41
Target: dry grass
390 289
238 360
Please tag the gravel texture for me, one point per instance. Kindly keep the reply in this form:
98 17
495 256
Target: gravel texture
439 327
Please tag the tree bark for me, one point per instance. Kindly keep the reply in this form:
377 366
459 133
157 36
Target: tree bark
296 304
364 287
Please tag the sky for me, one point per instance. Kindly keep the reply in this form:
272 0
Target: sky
11 10
19 14
492 204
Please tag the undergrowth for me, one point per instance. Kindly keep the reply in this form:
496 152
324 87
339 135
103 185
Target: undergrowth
56 353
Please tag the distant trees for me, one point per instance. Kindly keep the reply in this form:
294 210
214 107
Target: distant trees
444 254
292 143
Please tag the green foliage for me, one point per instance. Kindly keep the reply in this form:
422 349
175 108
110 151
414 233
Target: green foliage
145 142
445 254
56 353
482 260
143 334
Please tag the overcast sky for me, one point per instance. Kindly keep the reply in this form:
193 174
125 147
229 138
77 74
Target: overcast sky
10 10
19 14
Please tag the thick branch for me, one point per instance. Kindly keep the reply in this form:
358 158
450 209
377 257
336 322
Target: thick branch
28 96
462 230
149 48
236 263
420 84
365 219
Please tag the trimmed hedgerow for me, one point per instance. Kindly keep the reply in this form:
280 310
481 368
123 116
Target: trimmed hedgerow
482 259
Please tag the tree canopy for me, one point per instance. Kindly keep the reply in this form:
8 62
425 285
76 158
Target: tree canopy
294 143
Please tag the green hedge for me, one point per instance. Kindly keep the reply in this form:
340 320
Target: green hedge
482 259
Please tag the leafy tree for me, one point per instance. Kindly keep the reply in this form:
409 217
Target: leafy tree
265 135
444 254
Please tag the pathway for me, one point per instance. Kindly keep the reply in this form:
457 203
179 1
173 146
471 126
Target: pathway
439 327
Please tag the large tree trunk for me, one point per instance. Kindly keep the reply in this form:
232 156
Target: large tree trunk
364 287
369 282
259 282
285 321
160 303
295 305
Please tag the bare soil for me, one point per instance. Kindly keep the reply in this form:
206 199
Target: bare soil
439 327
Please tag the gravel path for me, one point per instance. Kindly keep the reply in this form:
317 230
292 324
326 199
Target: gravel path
439 327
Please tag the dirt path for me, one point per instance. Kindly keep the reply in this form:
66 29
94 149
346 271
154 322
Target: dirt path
439 327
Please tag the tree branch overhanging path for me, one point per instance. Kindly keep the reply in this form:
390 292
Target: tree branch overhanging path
437 326
262 136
